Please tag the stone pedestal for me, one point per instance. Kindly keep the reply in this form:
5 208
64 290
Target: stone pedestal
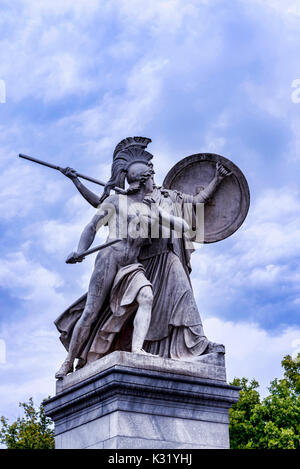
125 400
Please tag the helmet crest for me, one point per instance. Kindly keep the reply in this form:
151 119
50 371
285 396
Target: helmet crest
130 150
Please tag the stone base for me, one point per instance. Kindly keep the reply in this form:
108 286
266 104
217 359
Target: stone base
125 400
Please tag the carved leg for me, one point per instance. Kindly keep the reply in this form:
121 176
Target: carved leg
142 319
100 284
79 337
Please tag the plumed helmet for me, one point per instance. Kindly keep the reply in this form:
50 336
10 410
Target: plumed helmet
135 144
130 150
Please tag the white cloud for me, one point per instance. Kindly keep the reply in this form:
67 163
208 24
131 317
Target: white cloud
43 43
57 237
39 389
28 279
255 266
78 9
274 98
164 15
124 114
287 8
250 351
24 188
53 42
273 232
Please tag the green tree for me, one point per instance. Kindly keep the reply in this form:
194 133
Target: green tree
33 431
274 422
241 429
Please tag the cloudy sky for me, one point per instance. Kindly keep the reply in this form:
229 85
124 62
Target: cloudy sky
194 76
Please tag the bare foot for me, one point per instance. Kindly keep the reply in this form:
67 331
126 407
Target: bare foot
213 347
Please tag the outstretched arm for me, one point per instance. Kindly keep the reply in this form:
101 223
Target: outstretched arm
209 190
90 196
204 195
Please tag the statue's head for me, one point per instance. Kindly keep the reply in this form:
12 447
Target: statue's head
130 161
138 175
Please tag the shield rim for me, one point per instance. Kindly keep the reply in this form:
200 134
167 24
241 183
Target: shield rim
240 178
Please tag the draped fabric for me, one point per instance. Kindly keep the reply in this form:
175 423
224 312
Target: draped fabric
116 313
128 283
175 330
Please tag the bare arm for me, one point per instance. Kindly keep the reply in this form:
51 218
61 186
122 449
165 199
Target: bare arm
209 190
88 235
90 196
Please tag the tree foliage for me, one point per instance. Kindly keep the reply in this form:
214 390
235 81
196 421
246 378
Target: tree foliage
271 423
32 431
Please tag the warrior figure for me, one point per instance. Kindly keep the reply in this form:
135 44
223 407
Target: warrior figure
117 274
175 329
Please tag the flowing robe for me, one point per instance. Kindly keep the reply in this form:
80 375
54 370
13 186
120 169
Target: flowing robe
176 329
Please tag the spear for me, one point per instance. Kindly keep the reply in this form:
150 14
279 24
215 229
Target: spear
73 259
59 168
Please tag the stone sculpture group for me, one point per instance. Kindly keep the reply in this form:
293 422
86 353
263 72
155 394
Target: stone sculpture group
140 297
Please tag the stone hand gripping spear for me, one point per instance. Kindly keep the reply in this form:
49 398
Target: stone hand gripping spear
67 172
74 174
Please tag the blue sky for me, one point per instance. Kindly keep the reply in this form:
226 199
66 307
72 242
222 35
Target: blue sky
194 76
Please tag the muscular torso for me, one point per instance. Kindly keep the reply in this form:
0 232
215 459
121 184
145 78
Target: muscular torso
128 222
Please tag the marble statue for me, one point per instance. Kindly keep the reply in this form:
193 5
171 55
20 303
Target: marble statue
174 328
117 271
140 296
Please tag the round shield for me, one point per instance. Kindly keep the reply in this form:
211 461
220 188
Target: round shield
227 209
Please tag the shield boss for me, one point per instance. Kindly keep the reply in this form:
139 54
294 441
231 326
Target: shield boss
228 207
